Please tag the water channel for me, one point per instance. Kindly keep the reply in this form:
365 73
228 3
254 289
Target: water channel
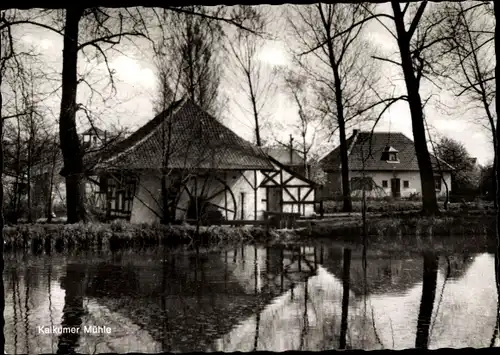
248 298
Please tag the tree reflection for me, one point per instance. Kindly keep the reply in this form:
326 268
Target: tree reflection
73 310
497 281
26 308
431 262
15 286
345 298
305 317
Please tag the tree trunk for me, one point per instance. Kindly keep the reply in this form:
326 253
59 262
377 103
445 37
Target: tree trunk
17 192
497 103
304 152
254 109
346 188
70 143
494 180
429 200
28 174
427 302
2 307
51 185
345 298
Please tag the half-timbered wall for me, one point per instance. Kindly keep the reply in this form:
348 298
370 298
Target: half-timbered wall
146 203
297 195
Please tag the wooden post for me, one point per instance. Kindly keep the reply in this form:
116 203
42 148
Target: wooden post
255 188
225 194
282 279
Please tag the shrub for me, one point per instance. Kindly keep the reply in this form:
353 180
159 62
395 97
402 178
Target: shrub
120 234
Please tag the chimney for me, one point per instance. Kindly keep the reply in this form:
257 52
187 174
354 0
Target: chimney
291 150
355 132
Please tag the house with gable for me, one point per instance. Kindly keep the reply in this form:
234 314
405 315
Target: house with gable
205 169
385 164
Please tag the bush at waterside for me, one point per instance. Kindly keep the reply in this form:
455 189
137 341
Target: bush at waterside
115 235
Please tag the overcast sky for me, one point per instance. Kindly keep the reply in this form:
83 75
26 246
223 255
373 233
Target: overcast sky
136 83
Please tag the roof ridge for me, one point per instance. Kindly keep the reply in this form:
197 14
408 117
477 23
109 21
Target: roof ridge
180 104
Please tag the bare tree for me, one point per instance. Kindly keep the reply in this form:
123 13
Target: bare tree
169 73
338 66
194 45
309 119
417 49
244 46
416 45
470 48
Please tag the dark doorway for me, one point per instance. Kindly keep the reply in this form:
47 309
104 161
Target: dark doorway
274 199
197 208
396 188
242 205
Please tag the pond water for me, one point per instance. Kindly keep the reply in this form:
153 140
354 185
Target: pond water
248 298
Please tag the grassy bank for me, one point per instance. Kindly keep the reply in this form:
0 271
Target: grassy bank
451 233
391 232
390 206
99 236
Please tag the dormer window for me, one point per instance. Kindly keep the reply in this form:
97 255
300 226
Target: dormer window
390 155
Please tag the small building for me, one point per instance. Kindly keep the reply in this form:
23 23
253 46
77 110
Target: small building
385 164
190 165
206 170
288 191
289 158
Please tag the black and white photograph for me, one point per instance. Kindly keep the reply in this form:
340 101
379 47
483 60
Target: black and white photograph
232 177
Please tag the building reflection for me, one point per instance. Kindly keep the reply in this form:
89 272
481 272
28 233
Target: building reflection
245 299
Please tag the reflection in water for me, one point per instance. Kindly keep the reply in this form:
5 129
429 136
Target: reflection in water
250 298
495 339
427 302
73 310
345 298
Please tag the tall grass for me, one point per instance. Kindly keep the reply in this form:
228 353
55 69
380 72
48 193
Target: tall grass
444 233
117 235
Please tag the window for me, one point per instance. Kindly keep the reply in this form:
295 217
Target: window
406 184
437 183
103 184
385 183
392 157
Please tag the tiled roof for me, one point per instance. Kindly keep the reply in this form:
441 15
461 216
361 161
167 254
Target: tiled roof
359 149
94 130
197 141
283 156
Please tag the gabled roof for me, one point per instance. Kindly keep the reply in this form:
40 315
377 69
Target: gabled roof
359 149
193 138
293 173
283 155
94 130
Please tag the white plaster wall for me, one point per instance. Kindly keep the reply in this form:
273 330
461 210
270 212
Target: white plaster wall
238 185
413 177
147 199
